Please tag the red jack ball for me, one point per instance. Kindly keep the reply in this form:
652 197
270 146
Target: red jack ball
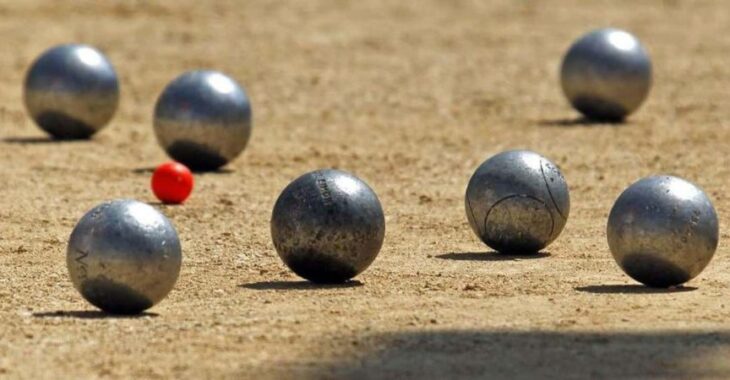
172 182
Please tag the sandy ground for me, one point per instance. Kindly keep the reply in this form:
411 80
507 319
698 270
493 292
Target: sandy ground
411 96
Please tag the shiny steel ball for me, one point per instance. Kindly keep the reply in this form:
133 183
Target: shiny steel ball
606 74
124 256
663 231
328 226
203 119
517 202
71 91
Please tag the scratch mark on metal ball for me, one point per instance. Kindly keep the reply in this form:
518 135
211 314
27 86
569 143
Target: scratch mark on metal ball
550 192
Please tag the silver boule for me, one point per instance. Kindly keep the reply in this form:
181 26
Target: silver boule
328 226
663 231
71 91
203 119
606 74
517 202
124 256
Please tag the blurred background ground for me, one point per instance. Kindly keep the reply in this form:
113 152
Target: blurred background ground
411 96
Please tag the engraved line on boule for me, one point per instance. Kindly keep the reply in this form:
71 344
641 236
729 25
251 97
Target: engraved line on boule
84 272
542 170
471 211
552 220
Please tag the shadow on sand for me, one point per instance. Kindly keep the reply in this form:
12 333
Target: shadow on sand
491 256
581 122
221 171
536 355
91 314
41 140
298 285
632 289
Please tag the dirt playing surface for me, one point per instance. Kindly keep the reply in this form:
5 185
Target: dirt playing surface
410 96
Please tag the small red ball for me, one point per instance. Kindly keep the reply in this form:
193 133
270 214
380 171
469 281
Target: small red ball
172 182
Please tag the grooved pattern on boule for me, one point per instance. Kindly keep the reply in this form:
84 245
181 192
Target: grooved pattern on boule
533 208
